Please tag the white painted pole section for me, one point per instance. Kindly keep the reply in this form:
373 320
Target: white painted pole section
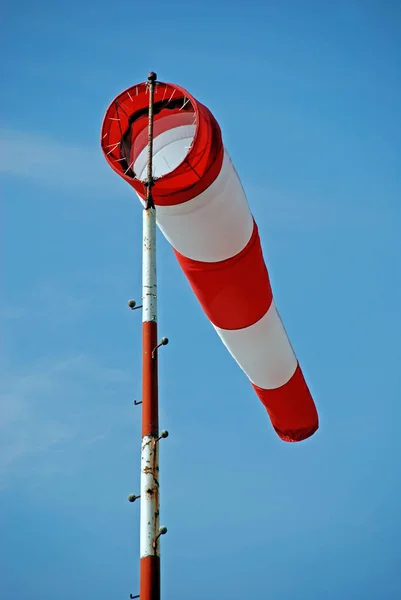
149 286
149 519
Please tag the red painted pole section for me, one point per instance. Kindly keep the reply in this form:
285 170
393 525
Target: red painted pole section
150 578
150 564
150 395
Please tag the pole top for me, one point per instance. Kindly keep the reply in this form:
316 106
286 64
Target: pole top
152 76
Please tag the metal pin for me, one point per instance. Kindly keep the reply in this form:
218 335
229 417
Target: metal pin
174 91
185 103
130 167
114 147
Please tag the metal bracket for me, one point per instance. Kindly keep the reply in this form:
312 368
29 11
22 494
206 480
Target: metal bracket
133 305
163 435
162 531
137 402
163 342
131 596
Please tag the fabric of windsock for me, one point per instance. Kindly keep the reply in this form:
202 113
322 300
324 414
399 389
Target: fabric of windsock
202 210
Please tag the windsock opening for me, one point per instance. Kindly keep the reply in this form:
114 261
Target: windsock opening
169 149
187 148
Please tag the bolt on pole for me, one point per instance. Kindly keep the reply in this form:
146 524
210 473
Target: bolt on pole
149 508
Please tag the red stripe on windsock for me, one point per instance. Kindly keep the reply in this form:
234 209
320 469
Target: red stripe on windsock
291 408
226 289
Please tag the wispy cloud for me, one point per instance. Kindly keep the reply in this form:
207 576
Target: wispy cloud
54 162
287 209
58 405
12 313
50 300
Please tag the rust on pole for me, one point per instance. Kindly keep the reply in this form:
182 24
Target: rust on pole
149 511
151 86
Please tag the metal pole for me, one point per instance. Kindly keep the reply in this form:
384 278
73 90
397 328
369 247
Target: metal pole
149 511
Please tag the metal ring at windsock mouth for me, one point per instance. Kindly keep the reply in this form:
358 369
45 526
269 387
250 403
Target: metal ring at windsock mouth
177 116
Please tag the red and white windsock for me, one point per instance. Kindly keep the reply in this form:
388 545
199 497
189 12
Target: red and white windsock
202 210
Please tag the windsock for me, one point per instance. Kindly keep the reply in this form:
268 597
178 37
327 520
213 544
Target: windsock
202 210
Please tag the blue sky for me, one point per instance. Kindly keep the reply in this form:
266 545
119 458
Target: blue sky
308 95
